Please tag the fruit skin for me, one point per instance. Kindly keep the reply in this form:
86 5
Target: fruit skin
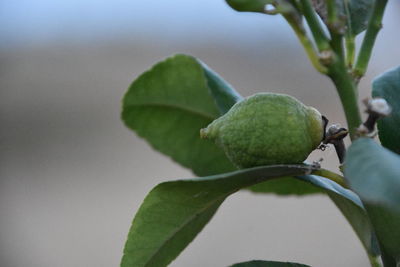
267 129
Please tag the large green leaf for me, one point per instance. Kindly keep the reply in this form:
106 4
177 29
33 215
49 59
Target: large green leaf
173 213
387 86
169 104
258 263
373 172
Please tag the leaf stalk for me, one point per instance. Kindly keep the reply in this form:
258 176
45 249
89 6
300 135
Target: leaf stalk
321 39
306 42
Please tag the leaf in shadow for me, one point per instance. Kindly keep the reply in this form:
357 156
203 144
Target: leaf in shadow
387 86
372 171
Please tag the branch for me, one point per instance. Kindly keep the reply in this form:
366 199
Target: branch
313 22
347 90
374 26
305 41
336 28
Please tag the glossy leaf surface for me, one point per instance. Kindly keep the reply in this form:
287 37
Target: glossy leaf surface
173 213
387 86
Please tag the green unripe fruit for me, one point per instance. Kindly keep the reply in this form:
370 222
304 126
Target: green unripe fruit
266 129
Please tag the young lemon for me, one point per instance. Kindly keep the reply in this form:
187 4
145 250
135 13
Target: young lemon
266 129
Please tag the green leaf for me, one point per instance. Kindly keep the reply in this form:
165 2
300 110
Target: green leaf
286 186
387 86
173 213
360 13
258 263
223 93
357 12
249 5
352 209
386 224
373 172
169 104
359 221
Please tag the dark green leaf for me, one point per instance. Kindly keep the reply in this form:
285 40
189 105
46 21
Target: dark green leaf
258 263
387 86
373 172
223 93
386 223
357 11
351 207
169 104
173 213
360 13
249 5
359 221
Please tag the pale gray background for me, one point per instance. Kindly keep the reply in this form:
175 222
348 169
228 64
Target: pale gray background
72 176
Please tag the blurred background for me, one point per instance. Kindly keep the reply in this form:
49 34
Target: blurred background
72 176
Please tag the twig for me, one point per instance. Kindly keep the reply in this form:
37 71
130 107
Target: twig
374 25
317 31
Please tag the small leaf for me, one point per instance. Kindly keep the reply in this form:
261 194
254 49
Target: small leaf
360 13
387 86
258 263
249 5
373 173
169 104
173 213
357 11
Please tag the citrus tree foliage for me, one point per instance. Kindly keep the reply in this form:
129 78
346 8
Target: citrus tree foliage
186 111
